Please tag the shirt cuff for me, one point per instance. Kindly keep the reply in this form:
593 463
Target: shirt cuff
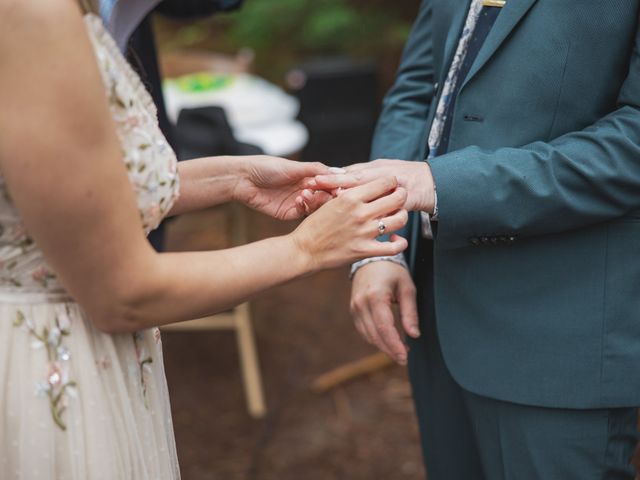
397 259
427 231
434 215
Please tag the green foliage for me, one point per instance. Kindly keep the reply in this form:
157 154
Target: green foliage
315 26
286 32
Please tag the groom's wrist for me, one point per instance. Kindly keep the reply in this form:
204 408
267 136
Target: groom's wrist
425 188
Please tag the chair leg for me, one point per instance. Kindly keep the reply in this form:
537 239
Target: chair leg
249 365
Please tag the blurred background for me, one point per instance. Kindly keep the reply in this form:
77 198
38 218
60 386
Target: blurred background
282 388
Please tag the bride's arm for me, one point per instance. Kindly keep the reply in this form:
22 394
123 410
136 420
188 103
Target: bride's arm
205 182
268 184
61 159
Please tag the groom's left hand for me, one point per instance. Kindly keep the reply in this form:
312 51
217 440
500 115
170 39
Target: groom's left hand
414 177
274 186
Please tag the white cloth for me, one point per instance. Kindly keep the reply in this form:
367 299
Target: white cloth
76 403
123 17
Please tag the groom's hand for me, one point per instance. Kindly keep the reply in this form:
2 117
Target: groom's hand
376 288
414 177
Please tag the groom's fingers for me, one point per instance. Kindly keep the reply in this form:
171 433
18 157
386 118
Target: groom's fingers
384 322
309 169
362 314
369 327
406 296
331 182
357 167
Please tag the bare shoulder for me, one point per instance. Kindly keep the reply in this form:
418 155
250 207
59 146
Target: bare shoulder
45 43
41 38
26 19
35 9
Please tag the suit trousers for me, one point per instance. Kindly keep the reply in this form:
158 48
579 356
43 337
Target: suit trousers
466 436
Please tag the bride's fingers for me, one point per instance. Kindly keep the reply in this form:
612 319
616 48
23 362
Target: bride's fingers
301 207
333 192
394 246
392 223
308 195
371 191
317 200
388 204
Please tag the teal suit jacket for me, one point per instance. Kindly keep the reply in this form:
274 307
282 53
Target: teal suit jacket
537 254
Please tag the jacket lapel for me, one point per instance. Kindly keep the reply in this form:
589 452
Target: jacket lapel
508 19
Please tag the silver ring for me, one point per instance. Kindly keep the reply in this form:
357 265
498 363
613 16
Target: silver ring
381 227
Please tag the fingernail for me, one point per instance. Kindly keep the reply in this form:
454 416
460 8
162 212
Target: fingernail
415 332
337 170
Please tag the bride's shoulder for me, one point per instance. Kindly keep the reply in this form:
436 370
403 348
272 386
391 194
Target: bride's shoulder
39 17
40 7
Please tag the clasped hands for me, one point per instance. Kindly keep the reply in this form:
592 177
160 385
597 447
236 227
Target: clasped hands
289 190
414 177
379 285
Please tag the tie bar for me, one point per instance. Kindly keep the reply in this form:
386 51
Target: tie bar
494 3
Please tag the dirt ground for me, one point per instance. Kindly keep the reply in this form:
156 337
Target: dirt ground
364 430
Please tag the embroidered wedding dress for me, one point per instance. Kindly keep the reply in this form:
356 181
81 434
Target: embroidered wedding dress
75 403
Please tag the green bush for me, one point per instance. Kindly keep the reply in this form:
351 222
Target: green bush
316 26
283 32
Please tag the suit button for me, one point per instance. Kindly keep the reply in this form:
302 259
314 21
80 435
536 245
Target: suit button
436 86
512 239
484 240
474 241
472 118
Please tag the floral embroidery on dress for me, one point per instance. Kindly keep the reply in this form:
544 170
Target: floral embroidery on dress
43 275
150 161
56 384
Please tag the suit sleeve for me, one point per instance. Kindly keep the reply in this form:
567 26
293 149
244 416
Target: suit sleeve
401 127
575 181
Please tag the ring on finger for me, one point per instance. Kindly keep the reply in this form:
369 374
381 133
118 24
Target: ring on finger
381 227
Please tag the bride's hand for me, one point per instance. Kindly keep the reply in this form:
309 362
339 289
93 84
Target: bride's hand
274 186
345 229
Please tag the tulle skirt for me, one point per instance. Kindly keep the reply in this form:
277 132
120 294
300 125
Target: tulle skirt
78 404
